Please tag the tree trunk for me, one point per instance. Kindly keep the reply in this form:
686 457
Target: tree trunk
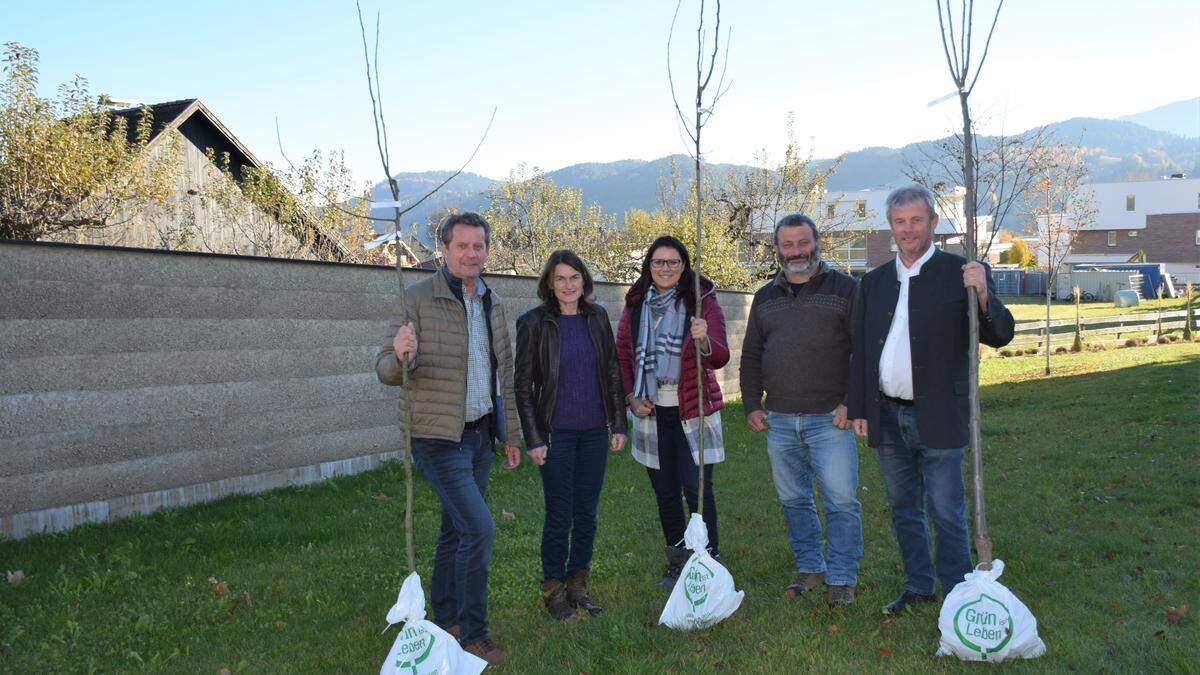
699 315
1047 324
983 542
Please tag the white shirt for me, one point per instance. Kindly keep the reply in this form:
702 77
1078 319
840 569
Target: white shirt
895 362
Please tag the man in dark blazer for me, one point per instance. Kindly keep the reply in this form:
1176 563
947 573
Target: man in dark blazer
908 388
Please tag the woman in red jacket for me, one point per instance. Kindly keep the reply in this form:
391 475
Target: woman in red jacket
658 369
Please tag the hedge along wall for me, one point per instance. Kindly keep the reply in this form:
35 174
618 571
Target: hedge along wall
132 380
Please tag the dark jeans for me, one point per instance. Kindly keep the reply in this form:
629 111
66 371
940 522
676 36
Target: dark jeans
571 480
458 474
677 471
919 478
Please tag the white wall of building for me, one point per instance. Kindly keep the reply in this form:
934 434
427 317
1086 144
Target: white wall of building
1151 197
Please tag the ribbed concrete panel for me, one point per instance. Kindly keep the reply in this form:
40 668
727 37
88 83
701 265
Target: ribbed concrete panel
35 337
31 492
133 379
69 410
37 453
103 265
57 518
149 369
38 299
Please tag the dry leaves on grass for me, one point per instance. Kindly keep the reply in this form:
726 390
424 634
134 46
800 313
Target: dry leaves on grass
507 515
1174 614
218 588
15 577
380 497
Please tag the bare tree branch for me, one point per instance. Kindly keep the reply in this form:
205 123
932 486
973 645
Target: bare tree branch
986 45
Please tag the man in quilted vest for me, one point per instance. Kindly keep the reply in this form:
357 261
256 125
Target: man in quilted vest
454 336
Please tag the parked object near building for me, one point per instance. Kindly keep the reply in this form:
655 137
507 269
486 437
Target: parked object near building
1097 284
1127 299
1013 280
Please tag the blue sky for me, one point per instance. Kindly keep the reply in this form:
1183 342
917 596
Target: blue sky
577 82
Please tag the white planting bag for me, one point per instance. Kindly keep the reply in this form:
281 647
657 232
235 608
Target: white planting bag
422 647
981 620
704 594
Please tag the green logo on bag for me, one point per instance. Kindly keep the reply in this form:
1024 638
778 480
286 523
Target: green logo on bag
414 647
984 625
695 584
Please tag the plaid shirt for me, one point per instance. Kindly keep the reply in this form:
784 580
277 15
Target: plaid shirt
479 366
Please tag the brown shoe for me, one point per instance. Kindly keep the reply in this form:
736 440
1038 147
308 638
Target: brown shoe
839 596
554 594
455 631
487 651
805 581
577 593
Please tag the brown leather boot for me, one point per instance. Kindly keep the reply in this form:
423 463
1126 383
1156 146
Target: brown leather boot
486 650
554 594
577 593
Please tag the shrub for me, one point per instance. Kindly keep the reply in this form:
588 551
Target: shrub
1063 350
1131 342
1006 352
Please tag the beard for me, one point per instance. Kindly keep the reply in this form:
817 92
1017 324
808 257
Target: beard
800 264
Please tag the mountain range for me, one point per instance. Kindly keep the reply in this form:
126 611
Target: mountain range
1144 146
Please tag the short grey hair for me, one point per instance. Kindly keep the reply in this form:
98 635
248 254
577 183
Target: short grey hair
796 220
909 194
466 218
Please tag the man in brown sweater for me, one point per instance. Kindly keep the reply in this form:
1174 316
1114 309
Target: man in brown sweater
797 352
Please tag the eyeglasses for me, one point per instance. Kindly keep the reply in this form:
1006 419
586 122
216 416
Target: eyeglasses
659 264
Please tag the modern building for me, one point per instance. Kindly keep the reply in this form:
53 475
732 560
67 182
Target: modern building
1157 221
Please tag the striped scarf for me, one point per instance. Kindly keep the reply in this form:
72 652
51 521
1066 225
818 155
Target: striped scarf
660 343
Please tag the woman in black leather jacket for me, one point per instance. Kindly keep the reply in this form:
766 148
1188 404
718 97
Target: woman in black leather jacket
572 408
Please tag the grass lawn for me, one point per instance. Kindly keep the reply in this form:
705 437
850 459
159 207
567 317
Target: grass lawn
1094 504
1033 308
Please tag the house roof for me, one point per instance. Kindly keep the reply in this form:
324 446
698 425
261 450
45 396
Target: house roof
170 115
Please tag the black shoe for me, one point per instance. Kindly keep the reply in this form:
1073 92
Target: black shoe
906 599
676 558
577 592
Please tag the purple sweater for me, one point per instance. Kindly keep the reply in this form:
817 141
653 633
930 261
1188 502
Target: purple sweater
577 405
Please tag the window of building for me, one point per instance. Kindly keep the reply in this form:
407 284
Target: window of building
1133 233
1129 202
830 211
853 250
1112 238
1198 237
860 208
894 246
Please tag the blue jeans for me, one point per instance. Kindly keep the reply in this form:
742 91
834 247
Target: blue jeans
458 474
803 447
918 478
571 480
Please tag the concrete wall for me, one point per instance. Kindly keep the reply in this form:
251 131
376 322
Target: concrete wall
132 380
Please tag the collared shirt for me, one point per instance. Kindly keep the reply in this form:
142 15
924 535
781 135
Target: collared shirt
479 363
895 362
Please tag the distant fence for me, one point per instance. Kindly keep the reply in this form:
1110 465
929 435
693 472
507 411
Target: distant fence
1102 328
132 380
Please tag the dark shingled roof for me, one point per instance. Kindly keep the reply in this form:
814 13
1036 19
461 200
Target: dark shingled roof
165 114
